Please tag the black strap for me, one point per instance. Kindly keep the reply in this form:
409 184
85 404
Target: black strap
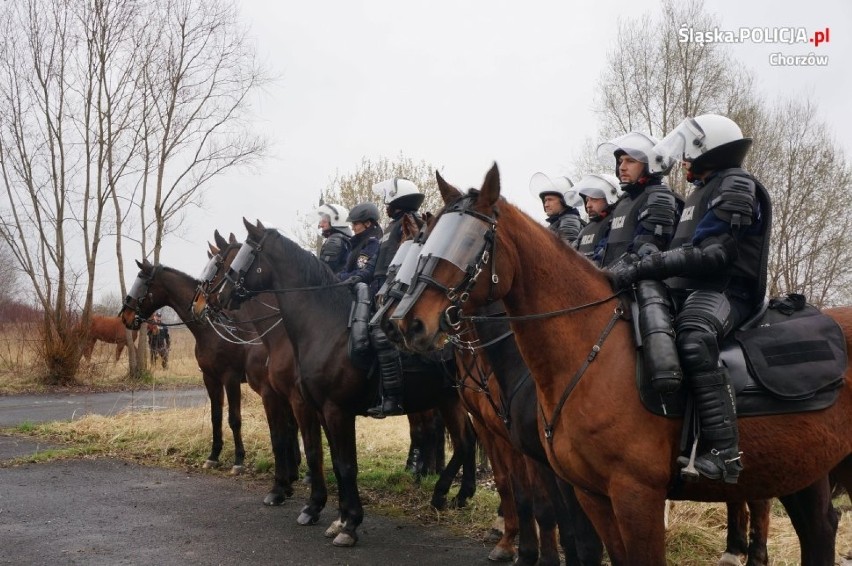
548 426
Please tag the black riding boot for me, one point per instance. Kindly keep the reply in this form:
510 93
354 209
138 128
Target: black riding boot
390 367
714 400
658 337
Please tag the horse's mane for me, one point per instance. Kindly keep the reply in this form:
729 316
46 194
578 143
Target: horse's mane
527 238
315 271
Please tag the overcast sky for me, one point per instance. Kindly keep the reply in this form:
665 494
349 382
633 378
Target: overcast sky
460 84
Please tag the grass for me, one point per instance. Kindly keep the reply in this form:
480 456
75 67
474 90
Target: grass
180 438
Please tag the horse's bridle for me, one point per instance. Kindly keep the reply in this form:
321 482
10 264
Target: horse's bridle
459 293
236 272
138 293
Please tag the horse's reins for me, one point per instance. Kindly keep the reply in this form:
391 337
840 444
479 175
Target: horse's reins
461 292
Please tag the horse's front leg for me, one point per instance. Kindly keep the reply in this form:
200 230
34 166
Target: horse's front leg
277 418
309 425
235 421
216 395
639 509
340 431
815 520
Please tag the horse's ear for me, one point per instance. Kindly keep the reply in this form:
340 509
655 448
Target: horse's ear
220 241
490 191
260 225
146 264
213 250
232 239
253 231
448 192
139 264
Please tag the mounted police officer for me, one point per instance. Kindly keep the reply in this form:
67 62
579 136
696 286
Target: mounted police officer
365 241
600 193
561 204
643 222
335 230
402 198
716 268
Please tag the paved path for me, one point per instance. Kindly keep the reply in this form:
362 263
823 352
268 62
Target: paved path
112 512
18 409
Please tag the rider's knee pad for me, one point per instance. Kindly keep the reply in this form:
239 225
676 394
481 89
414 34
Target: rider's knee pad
699 350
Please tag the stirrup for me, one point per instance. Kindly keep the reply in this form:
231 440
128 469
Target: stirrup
376 412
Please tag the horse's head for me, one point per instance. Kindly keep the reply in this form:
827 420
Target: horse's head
236 273
143 298
462 244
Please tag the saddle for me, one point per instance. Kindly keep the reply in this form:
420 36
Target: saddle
788 358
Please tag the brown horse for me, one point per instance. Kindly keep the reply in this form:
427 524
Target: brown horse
225 364
315 309
107 329
599 435
495 387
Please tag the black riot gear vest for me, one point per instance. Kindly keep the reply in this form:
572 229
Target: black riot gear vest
335 250
654 206
591 234
747 273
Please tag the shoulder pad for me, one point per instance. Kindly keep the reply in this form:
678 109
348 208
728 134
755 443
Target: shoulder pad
735 200
660 210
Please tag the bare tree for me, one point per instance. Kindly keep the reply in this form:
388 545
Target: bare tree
58 90
133 104
199 72
795 156
356 187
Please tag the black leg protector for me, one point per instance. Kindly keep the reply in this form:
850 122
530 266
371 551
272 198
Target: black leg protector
705 318
390 367
658 338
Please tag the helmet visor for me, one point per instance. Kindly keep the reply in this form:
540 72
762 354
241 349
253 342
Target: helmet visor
684 143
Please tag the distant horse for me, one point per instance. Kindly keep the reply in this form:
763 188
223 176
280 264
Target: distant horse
598 434
315 309
108 329
158 347
224 365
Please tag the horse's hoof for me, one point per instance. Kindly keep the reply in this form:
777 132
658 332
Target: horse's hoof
729 559
237 470
210 464
273 499
439 504
334 529
345 540
306 520
500 554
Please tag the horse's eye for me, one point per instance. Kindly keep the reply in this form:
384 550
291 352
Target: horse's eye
258 270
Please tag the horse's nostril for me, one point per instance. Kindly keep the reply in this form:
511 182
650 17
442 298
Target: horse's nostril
416 327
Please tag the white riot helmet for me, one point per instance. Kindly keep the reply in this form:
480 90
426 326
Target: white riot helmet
541 185
709 142
335 213
599 186
399 193
640 147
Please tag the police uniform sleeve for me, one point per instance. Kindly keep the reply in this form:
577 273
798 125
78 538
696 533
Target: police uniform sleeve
569 229
365 263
